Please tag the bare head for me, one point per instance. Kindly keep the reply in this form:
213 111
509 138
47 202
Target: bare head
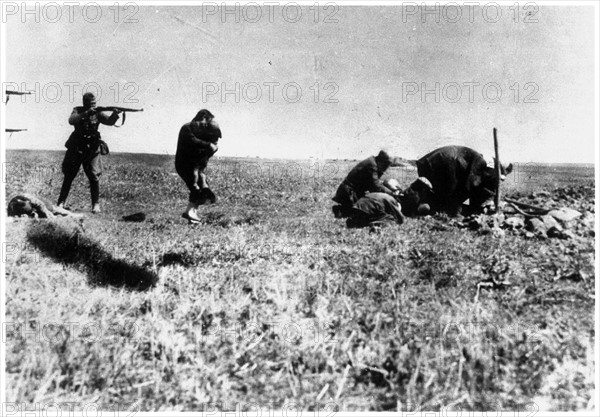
203 118
504 169
384 160
393 185
18 206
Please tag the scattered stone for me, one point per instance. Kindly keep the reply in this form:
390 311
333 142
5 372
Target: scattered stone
568 214
536 226
565 214
515 222
551 223
497 232
485 230
555 232
476 223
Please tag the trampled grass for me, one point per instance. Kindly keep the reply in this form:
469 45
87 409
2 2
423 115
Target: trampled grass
272 303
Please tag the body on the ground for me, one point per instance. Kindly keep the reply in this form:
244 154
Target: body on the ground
375 209
29 205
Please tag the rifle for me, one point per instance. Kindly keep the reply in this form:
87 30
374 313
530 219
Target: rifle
14 93
124 110
11 131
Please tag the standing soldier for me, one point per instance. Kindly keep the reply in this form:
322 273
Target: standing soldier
363 178
84 148
197 143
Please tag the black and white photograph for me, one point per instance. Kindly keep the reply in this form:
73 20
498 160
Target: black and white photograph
304 208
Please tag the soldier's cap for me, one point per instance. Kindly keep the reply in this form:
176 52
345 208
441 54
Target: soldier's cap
384 157
88 97
392 184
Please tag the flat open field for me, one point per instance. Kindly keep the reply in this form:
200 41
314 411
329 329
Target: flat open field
273 303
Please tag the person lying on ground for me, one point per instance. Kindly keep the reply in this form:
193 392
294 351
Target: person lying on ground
375 209
28 205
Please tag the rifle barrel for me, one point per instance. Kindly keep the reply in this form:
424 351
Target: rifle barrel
16 93
123 109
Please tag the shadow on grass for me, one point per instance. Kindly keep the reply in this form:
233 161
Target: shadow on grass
69 245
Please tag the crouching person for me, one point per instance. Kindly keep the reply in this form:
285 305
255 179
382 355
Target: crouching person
196 144
375 209
363 178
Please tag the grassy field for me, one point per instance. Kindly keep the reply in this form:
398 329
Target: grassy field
274 304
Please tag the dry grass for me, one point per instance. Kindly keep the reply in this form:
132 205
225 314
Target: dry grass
273 303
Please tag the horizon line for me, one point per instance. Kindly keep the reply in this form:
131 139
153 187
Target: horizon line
292 159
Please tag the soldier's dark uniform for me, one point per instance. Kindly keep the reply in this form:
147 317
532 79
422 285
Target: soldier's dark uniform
83 148
364 177
193 152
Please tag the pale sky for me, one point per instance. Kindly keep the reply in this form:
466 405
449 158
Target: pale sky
369 60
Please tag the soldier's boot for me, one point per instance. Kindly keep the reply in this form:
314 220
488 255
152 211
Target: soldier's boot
95 192
190 213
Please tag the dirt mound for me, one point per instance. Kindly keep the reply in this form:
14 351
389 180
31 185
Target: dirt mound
563 213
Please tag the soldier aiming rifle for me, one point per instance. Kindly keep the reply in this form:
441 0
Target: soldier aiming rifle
85 146
123 110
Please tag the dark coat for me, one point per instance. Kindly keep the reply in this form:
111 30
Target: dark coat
193 143
457 173
365 176
375 208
